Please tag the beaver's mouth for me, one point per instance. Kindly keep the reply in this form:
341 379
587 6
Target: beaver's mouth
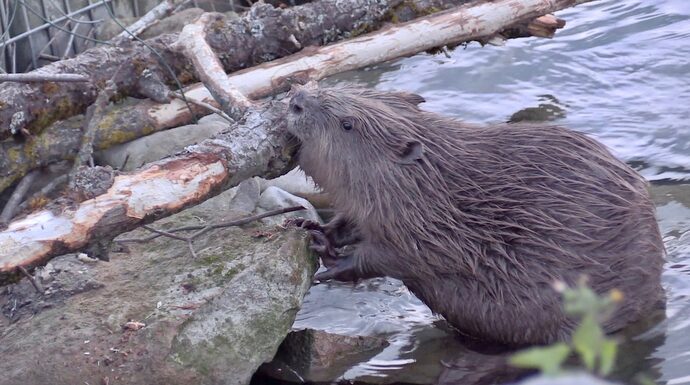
293 126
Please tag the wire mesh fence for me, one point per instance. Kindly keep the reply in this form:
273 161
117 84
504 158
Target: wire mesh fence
34 33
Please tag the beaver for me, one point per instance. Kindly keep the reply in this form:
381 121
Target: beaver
477 221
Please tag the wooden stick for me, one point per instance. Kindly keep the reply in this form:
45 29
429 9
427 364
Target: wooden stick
34 283
36 77
192 42
165 8
204 229
17 196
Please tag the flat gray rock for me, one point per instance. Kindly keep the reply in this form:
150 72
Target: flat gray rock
132 155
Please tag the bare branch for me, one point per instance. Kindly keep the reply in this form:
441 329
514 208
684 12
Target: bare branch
204 229
17 196
158 12
34 77
192 41
205 105
31 279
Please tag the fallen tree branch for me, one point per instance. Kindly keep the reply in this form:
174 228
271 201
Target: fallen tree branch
165 8
44 192
258 146
204 229
94 114
17 196
207 106
192 42
36 77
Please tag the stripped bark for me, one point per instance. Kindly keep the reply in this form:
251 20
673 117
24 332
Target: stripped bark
258 146
193 43
264 33
144 117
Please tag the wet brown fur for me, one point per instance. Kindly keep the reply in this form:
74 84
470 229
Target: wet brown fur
482 222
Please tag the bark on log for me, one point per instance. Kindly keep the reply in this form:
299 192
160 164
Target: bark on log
130 121
259 146
264 33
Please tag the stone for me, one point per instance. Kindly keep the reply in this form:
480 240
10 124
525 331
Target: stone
316 356
273 198
154 314
132 155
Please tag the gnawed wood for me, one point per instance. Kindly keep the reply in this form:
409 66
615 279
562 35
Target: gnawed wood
165 187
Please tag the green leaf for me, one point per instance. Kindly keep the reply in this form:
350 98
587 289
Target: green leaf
547 359
587 340
609 348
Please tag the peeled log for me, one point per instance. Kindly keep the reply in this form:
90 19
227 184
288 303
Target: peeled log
259 146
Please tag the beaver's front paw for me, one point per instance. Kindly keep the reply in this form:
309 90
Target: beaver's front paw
304 223
341 269
322 245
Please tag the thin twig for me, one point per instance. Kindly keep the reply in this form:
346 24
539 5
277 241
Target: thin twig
45 191
31 279
94 115
165 233
156 13
191 249
17 196
205 229
70 41
39 77
206 106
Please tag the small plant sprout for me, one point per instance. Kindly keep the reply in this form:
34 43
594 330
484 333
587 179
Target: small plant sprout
595 350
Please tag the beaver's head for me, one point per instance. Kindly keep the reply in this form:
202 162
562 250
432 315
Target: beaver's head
353 127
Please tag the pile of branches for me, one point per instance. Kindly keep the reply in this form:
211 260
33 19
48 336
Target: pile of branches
237 62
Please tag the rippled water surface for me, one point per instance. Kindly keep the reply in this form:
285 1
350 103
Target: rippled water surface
620 71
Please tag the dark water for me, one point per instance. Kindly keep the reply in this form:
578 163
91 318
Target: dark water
619 71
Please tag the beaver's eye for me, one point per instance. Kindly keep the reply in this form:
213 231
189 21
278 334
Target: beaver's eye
346 124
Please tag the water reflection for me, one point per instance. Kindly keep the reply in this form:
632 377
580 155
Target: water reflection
619 71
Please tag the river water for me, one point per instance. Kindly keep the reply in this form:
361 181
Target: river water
619 71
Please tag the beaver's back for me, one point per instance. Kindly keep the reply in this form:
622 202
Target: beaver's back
542 204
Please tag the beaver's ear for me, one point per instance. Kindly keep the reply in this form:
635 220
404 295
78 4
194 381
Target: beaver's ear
411 98
412 152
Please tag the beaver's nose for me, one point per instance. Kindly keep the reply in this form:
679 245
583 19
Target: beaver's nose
297 102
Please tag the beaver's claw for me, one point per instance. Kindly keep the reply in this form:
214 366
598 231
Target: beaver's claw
321 242
322 245
342 269
306 224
